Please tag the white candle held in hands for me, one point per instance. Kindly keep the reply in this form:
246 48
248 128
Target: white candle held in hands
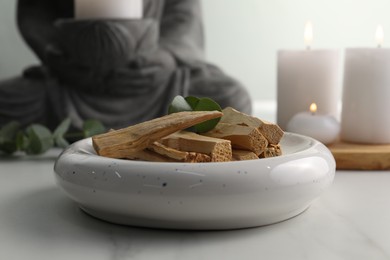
109 9
323 128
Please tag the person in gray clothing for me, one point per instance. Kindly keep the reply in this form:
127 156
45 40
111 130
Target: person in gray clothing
120 72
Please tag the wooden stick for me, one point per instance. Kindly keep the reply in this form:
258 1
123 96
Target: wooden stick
272 132
124 142
242 155
241 137
177 155
272 151
150 156
218 149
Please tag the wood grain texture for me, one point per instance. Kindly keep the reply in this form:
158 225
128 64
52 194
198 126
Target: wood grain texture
351 156
124 142
272 132
241 137
219 150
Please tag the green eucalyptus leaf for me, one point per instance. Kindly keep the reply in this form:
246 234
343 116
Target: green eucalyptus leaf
179 104
61 142
39 138
8 133
21 141
61 130
192 101
93 127
9 147
207 104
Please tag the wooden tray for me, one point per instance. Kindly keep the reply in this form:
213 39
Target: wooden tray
361 157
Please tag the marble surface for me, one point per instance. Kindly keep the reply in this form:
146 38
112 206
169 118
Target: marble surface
351 220
197 196
37 221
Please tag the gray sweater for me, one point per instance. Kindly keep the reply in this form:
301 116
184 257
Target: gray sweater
118 71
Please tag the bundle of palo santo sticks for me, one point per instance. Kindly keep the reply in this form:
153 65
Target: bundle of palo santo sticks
236 137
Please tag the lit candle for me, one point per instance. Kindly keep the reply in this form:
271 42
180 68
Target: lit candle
379 36
308 36
109 9
305 76
324 128
366 96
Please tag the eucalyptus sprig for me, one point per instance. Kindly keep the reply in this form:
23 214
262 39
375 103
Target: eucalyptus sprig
190 103
37 139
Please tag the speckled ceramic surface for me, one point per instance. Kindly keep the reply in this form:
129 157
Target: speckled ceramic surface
197 196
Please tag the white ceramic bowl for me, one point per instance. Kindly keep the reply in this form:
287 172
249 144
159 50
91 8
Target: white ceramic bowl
226 195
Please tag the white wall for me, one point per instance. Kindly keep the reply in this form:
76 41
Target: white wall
14 54
243 36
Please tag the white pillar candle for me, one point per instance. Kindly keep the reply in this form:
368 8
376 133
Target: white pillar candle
306 76
366 97
324 128
109 9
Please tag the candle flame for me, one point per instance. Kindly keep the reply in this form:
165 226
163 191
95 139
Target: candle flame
308 34
313 108
379 36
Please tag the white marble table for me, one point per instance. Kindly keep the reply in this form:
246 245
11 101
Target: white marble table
37 221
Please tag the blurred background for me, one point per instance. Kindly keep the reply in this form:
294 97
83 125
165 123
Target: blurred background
243 37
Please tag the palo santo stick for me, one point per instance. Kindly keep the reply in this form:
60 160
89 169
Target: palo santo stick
242 155
168 152
198 158
271 151
272 132
218 149
124 142
241 137
146 155
177 155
